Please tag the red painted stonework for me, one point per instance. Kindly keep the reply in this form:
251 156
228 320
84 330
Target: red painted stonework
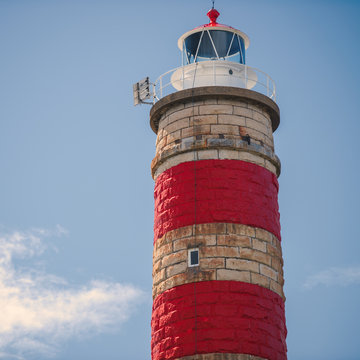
227 191
218 317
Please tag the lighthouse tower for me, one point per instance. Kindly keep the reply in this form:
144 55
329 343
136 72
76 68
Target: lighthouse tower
217 261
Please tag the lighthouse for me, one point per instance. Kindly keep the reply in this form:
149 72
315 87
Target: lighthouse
217 259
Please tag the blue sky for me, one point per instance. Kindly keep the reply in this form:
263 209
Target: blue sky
76 192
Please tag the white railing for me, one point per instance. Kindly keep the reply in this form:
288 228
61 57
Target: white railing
214 73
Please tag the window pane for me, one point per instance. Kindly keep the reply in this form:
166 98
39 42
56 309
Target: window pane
194 257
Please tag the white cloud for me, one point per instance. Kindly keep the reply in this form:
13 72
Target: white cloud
335 276
39 311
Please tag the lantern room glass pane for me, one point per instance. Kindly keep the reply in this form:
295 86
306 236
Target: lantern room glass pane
226 44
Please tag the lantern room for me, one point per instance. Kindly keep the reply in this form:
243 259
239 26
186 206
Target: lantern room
213 41
213 55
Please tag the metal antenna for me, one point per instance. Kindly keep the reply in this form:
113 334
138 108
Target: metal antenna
213 2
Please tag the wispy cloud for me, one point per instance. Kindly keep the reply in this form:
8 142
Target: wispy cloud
335 276
39 311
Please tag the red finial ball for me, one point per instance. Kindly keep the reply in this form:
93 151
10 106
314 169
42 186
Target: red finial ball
213 15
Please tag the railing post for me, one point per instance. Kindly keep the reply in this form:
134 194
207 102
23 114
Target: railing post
214 72
274 92
245 76
183 78
161 87
267 85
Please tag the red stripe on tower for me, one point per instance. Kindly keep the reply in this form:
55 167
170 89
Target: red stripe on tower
225 317
227 191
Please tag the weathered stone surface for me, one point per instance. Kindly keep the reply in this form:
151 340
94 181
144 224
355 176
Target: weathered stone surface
231 248
211 118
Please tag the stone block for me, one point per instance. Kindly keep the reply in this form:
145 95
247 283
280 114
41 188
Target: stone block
176 269
273 251
264 235
164 250
215 142
195 130
162 143
246 156
161 241
156 266
180 244
208 240
250 123
177 125
215 109
276 264
265 140
280 279
183 113
187 143
254 134
268 271
240 229
262 117
176 280
245 265
175 108
261 280
234 240
207 154
172 137
232 120
159 276
259 245
212 263
276 287
246 112
225 274
164 121
219 251
225 129
203 120
213 228
228 154
255 255
174 258
185 231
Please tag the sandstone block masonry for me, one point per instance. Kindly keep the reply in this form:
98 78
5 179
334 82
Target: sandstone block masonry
226 252
232 128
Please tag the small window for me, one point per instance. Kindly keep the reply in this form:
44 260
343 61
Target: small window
193 255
